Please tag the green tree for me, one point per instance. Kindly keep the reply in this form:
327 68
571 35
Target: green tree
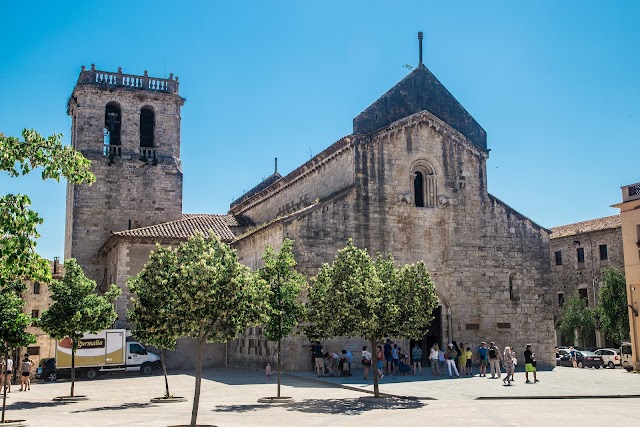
13 323
612 305
216 297
359 296
77 309
153 306
286 309
576 316
18 223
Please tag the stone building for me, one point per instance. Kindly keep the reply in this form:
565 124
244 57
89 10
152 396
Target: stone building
411 180
579 254
37 299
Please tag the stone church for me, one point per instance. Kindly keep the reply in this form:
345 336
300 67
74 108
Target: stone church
410 180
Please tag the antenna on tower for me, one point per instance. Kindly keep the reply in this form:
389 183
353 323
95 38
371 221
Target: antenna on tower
276 166
420 47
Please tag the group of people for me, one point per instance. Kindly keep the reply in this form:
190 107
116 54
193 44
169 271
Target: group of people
456 358
6 368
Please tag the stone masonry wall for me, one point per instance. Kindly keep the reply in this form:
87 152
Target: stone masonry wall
128 193
569 277
489 263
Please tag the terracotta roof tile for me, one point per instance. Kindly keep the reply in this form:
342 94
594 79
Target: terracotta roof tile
598 224
188 225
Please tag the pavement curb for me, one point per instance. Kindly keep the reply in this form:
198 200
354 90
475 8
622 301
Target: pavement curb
614 396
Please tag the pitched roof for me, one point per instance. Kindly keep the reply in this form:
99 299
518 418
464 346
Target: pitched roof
258 188
418 91
598 224
188 225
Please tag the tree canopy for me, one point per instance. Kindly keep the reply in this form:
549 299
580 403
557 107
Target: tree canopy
154 311
214 297
577 316
612 305
286 310
359 296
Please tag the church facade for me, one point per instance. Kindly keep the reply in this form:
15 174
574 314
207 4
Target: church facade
410 180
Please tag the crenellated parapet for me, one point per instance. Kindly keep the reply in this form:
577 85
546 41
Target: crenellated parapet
119 79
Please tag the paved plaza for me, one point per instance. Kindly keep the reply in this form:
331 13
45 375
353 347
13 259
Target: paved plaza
586 397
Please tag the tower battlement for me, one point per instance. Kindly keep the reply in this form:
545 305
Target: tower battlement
108 79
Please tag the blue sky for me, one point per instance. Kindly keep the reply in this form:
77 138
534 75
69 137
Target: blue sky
554 84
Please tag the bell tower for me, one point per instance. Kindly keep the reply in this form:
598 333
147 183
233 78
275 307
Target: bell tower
129 127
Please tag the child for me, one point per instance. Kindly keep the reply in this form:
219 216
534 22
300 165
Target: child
469 366
268 371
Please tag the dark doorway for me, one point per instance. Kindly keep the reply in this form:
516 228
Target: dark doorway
433 336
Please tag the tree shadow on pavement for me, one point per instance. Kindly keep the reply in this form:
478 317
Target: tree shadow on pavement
330 406
16 406
118 407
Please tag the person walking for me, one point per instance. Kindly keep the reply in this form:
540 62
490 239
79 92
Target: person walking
434 360
530 364
450 357
25 378
462 359
469 361
7 373
494 360
387 357
507 363
573 357
442 362
416 358
483 354
267 371
380 362
318 356
395 359
366 361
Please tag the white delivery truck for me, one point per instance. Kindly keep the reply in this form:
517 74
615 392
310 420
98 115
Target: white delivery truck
110 350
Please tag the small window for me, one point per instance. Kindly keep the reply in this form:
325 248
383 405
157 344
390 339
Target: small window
112 122
560 299
580 254
418 189
604 253
558 257
36 288
33 351
147 124
583 294
512 291
35 314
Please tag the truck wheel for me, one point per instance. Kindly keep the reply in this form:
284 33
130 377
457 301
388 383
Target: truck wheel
91 374
51 376
146 369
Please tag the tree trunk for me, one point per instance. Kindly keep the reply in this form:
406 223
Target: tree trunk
196 395
278 363
4 385
164 369
73 366
374 366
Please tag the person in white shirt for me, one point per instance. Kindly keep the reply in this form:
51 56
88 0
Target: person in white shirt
366 361
433 358
7 371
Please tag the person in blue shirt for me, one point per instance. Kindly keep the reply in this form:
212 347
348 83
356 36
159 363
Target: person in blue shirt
483 352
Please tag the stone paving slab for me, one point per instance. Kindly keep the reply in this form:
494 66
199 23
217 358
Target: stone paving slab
229 398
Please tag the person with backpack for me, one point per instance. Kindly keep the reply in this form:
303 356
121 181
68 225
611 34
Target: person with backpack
494 360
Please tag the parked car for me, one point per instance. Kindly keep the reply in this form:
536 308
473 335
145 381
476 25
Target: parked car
610 356
584 358
47 370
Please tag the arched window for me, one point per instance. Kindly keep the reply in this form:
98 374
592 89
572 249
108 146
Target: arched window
112 122
425 191
147 124
418 189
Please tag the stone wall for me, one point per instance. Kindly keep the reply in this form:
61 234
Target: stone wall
568 278
489 263
128 193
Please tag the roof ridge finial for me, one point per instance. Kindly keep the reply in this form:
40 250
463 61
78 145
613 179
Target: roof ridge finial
420 47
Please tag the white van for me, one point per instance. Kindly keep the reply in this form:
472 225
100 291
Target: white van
626 357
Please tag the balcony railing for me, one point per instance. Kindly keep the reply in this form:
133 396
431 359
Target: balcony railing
118 79
112 150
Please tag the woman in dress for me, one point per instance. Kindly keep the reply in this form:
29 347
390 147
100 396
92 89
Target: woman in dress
507 362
